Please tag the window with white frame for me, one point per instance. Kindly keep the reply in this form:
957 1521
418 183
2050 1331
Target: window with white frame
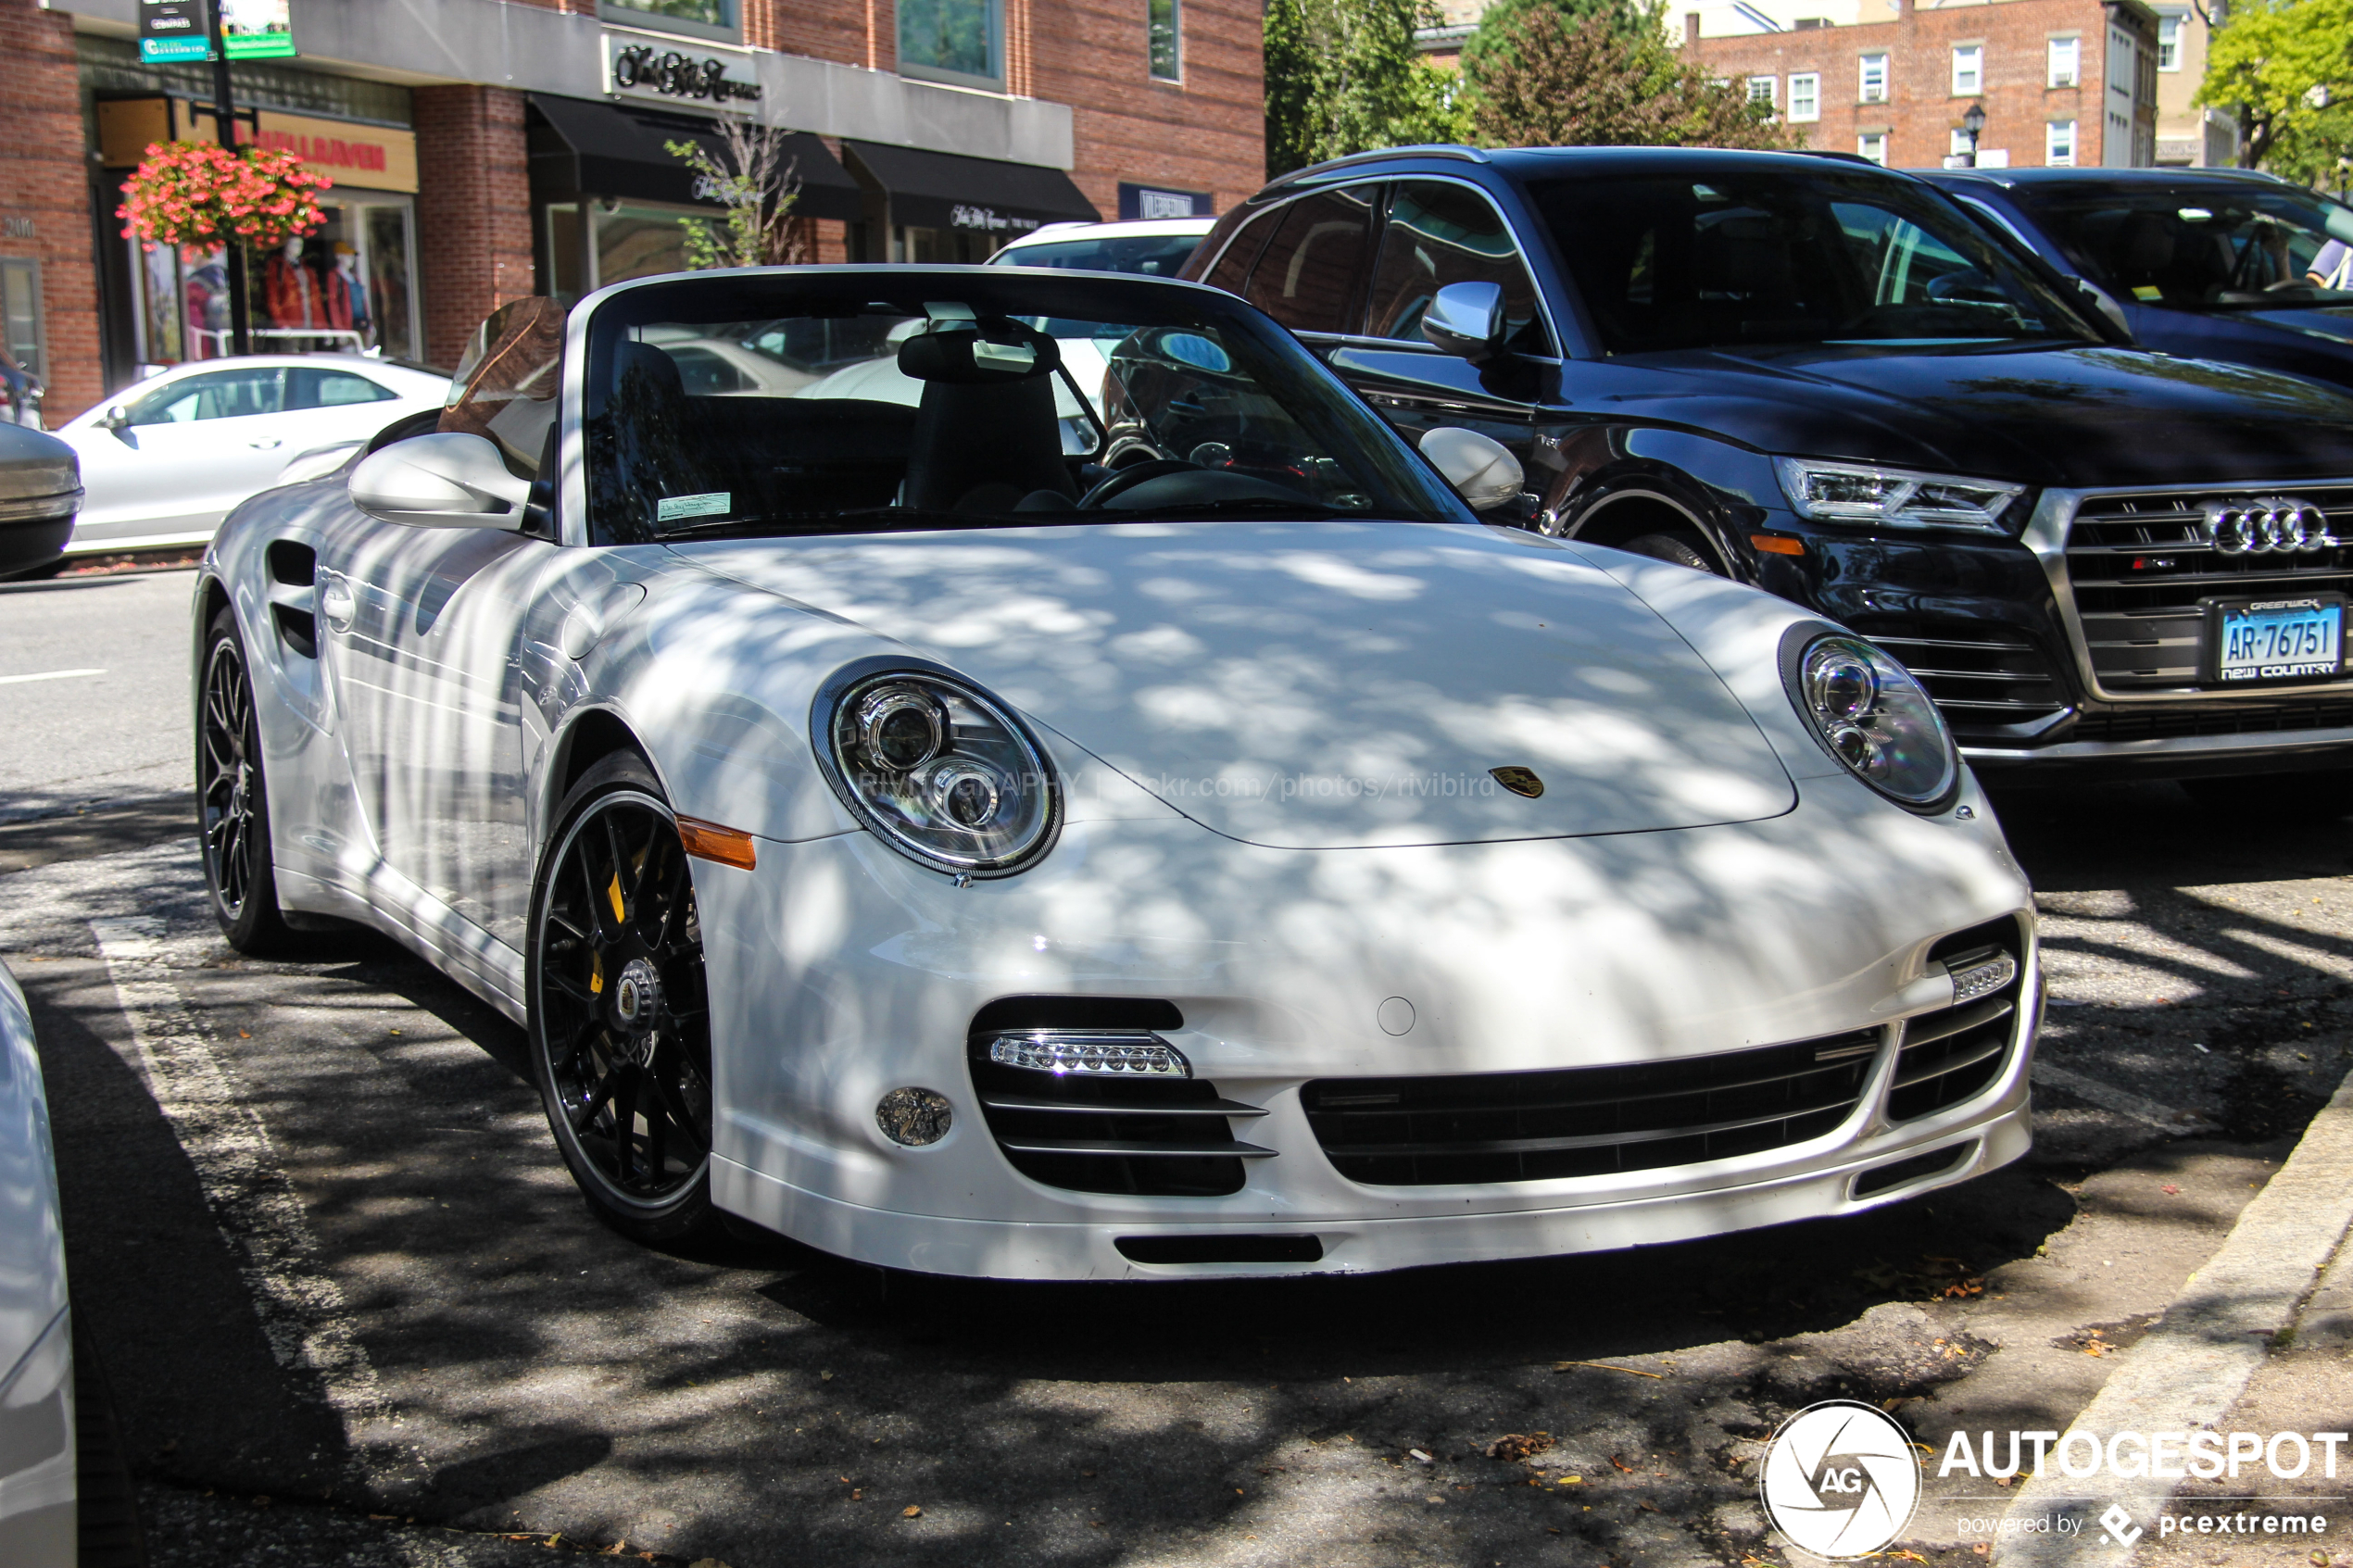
1164 40
1872 144
2058 144
2067 62
1874 79
1760 90
1968 69
2168 42
1806 97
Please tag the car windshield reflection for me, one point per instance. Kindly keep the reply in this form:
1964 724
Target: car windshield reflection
2203 248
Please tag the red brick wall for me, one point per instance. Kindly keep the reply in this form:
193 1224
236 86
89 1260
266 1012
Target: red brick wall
473 211
836 30
1923 112
1206 133
45 186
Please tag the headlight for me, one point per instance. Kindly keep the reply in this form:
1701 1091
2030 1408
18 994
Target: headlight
940 770
1871 715
1892 498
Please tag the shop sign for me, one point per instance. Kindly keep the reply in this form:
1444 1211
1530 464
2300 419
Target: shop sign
174 30
371 156
662 69
988 221
1158 201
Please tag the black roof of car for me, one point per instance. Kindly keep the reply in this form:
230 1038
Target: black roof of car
2102 177
1524 163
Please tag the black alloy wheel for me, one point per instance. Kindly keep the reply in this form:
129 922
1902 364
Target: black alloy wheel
232 807
620 1013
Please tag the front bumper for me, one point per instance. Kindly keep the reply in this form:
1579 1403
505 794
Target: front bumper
840 972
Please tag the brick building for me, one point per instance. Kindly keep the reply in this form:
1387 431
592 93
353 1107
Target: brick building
484 150
2061 82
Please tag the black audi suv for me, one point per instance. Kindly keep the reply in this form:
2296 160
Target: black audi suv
1825 378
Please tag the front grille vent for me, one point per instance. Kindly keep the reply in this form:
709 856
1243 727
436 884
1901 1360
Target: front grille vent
1123 1114
1988 680
1953 1054
2138 566
2242 717
1587 1120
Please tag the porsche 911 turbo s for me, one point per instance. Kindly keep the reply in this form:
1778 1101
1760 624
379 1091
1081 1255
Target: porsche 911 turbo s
1146 828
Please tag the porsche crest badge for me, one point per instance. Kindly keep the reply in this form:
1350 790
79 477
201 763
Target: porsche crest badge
1519 780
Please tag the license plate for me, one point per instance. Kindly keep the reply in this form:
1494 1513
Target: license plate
2278 640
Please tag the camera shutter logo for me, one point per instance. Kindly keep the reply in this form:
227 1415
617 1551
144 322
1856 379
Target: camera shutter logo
1840 1480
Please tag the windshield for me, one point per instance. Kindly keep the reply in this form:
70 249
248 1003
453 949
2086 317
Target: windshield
1152 256
2203 247
1749 259
955 400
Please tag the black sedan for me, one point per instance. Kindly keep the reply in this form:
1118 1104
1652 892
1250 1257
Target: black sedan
1830 379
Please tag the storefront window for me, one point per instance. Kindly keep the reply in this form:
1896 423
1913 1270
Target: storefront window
941 247
21 313
637 241
956 37
699 15
391 286
349 287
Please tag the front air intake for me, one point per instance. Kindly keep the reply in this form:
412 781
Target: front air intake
1084 1093
1953 1054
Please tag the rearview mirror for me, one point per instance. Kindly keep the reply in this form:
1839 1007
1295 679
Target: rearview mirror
1482 470
1467 320
444 480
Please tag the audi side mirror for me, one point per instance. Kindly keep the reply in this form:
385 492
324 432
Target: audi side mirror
1481 469
1467 320
446 479
2098 299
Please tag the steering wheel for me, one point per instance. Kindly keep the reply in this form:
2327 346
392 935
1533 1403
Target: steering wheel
1126 479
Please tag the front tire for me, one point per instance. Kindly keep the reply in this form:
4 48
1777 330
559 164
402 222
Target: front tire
620 1013
1683 549
233 797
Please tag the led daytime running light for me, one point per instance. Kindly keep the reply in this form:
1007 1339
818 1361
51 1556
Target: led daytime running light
1984 978
1865 492
1105 1054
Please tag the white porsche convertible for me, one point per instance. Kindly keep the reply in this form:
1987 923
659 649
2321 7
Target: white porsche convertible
1194 845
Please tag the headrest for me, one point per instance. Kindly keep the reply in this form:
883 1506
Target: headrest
643 359
971 353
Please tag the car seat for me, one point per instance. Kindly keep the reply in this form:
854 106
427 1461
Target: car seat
983 448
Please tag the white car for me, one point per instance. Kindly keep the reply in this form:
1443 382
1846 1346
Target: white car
1216 852
36 1331
164 460
1150 247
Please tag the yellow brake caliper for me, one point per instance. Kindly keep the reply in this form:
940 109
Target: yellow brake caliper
596 964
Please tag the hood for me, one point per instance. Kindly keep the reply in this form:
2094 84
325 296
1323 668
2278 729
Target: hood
2066 417
1316 685
2331 325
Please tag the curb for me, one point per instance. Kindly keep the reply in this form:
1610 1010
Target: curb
2192 1367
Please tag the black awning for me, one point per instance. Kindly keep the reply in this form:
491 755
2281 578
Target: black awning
616 150
978 194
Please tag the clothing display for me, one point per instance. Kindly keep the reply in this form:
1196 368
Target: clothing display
290 291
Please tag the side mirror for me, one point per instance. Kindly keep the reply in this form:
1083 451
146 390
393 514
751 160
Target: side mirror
2097 298
443 479
1482 471
117 418
1467 320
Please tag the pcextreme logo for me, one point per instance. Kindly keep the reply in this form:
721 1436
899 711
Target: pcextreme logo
1840 1480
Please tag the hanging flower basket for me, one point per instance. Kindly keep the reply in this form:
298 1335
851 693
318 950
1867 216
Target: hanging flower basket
197 195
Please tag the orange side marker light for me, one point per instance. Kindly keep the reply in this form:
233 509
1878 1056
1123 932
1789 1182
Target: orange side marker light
709 841
1778 544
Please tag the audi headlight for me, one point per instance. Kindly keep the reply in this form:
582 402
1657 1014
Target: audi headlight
940 769
1865 492
1870 714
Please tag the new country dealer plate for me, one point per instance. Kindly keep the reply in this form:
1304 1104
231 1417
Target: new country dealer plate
2277 639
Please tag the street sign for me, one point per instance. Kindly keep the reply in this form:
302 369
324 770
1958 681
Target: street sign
173 30
257 29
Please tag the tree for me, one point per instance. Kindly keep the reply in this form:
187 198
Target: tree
1488 48
2286 67
1343 76
1548 81
758 192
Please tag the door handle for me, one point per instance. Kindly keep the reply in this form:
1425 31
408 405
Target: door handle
266 443
336 602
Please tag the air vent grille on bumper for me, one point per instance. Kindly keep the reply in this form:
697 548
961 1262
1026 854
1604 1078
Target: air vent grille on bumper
1984 678
1952 1055
1103 1104
1587 1120
2138 566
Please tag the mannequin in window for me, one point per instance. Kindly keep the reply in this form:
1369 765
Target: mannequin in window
347 292
290 288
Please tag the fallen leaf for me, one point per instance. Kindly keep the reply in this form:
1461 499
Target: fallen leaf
1621 1464
910 1512
1415 1452
2170 1190
824 1377
1512 1446
857 1494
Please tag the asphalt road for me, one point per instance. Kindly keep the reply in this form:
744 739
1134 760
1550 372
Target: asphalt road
352 1311
94 679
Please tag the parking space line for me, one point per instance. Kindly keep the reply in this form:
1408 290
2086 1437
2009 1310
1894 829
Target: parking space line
46 676
301 1309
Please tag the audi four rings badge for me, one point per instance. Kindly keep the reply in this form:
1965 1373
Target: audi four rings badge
2265 525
